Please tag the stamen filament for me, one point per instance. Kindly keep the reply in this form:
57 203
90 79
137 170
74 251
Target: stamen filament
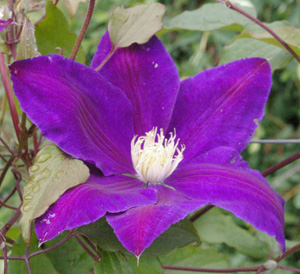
153 156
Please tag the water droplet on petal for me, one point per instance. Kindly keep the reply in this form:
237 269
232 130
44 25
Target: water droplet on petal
28 197
27 191
34 178
46 173
26 206
36 188
28 186
43 158
34 168
58 175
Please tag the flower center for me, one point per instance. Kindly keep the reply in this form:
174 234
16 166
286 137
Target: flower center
153 156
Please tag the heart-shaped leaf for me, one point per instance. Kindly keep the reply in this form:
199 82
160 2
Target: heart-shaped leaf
51 175
135 25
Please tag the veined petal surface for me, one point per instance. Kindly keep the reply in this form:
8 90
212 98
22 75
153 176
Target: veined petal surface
147 75
138 227
221 106
89 202
77 109
231 185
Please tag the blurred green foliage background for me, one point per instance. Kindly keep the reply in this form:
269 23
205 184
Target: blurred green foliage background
227 240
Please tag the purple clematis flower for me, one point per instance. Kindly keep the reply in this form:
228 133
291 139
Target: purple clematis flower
4 23
134 117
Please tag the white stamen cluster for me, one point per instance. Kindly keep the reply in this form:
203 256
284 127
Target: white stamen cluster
153 156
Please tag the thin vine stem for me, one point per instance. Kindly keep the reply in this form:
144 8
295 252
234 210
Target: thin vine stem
8 206
281 164
272 141
94 256
261 24
9 94
288 252
5 259
6 146
288 268
11 41
26 259
212 270
9 224
9 196
91 244
6 168
52 247
200 212
83 29
110 54
18 177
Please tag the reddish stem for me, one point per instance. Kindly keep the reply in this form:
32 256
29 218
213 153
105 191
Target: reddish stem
52 247
9 94
288 268
9 196
8 206
212 270
5 259
288 252
94 256
6 167
261 24
200 212
83 29
281 164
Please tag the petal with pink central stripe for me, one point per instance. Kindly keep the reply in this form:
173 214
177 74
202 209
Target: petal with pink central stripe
77 109
221 106
234 187
138 227
90 201
147 75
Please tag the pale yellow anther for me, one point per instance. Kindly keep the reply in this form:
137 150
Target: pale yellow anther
153 156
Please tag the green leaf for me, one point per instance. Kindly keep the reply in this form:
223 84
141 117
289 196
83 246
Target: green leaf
191 256
53 173
54 32
283 29
135 25
118 263
106 238
215 227
211 17
70 257
178 235
27 46
39 264
247 47
3 47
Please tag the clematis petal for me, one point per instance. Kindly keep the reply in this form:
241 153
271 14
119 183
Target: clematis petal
221 106
138 227
90 201
227 182
77 109
147 75
4 23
